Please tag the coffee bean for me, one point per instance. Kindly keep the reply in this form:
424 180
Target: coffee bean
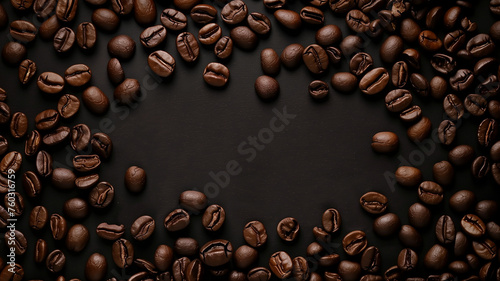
374 81
281 265
234 12
44 8
462 80
443 63
173 19
288 229
385 142
493 230
255 234
244 38
473 226
144 11
475 104
186 246
334 54
315 59
163 257
216 252
461 155
430 193
58 226
4 145
121 47
68 106
80 137
224 47
130 90
454 41
187 46
480 167
122 7
259 274
96 267
245 256
312 15
77 75
407 260
15 203
216 74
480 45
270 62
105 19
77 238
436 258
49 27
63 178
32 185
203 13
291 56
210 34
399 74
76 208
57 136
398 100
445 230
213 218
342 6
23 31
408 176
489 87
259 23
420 130
50 82
409 30
55 261
289 19
373 202
142 228
357 21
354 242
115 71
161 63
110 231
193 201
360 63
318 89
371 260
38 218
495 31
349 270
123 253
462 201
485 249
32 144
412 58
391 49
177 220
438 87
461 245
429 41
66 10
153 36
344 82
27 70
18 125
266 87
487 132
387 225
446 132
410 237
13 53
486 209
179 268
11 161
102 195
41 250
86 163
86 182
194 270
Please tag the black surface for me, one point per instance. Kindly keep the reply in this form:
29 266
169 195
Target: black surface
182 130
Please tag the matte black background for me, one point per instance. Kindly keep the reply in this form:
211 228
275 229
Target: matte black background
183 129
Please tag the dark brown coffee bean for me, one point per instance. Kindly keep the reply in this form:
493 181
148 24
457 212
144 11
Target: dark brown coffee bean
123 253
179 268
38 218
216 74
23 31
291 56
493 230
443 63
142 228
259 23
462 200
255 234
121 47
41 250
95 100
438 87
399 75
193 201
144 12
315 59
485 249
194 270
462 80
436 258
270 62
77 238
173 19
410 237
110 231
419 84
216 252
387 225
224 47
234 12
391 49
68 106
360 63
44 8
11 161
102 195
398 100
480 45
245 256
374 81
473 226
289 19
187 46
86 182
475 104
63 178
480 167
32 144
58 226
13 53
412 58
161 63
76 208
49 27
32 185
357 21
177 220
409 30
66 10
44 163
453 107
489 87
203 13
105 19
445 230
27 70
430 193
373 202
344 82
429 41
266 87
153 36
407 260
130 89
487 132
259 274
385 142
461 155
55 261
50 82
4 145
281 265
135 179
18 125
163 257
57 136
371 260
354 242
122 7
86 163
446 132
102 145
454 41
77 75
210 34
64 39
96 267
349 270
408 176
115 71
244 38
80 137
213 218
288 229
312 15
318 89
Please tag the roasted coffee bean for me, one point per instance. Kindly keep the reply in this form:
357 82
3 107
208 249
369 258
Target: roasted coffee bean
475 104
58 226
408 176
161 63
259 23
493 230
110 231
203 13
216 253
407 260
163 257
373 202
213 218
18 125
398 100
66 10
121 47
130 89
153 36
32 143
44 163
13 53
452 16
391 49
68 106
344 82
80 137
274 4
454 41
95 100
216 74
57 136
349 270
224 47
27 70
234 12
409 30
334 54
38 218
179 268
144 11
430 193
489 87
315 59
412 58
443 173
410 237
360 63
461 155
173 19
300 269
177 220
142 228
102 195
473 226
63 178
135 179
77 75
281 264
259 274
193 201
445 230
371 260
453 107
436 258
438 87
462 80
255 233
11 161
312 15
443 63
399 74
245 256
4 18
41 250
244 38
318 89
461 244
77 238
270 62
487 132
86 35
387 225
289 19
55 261
86 163
374 81
44 8
485 249
187 46
96 267
446 132
123 253
105 19
86 182
288 229
342 6
429 41
32 185
50 82
357 21
480 167
266 87
385 142
495 152
419 84
15 203
354 242
23 31
480 45
102 145
64 39
210 33
4 145
4 216
4 113
291 56
462 200
194 270
115 71
76 208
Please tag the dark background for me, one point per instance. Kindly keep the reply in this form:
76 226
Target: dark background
183 129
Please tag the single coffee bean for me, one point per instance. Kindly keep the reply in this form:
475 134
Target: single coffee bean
129 90
399 74
57 136
194 270
291 56
68 106
44 163
266 87
58 226
105 19
371 260
55 261
349 270
102 195
443 63
64 39
153 36
63 178
385 142
27 70
438 87
41 250
318 89
412 58
4 145
270 62
454 41
489 87
110 231
344 82
360 63
462 201
177 220
374 81
445 230
115 71
186 246
32 143
300 269
391 49
161 63
210 34
15 203
18 125
461 155
66 10
487 132
407 260
452 16
480 45
179 268
11 161
135 179
80 137
224 47
436 258
96 267
259 274
144 11
77 238
398 100
216 74
244 38
122 7
462 80
245 256
473 226
429 41
38 218
354 242
408 176
493 230
203 13
163 257
187 46
430 193
289 19
4 18
420 130
461 244
173 19
193 201
123 253
485 249
234 12
102 145
495 152
281 264
312 15
475 104
486 209
86 163
446 132
342 6
255 234
77 75
13 53
142 228
373 202
480 167
49 27
357 21
410 237
419 84
409 30
23 31
86 182
387 225
76 208
259 23
216 252
121 47
315 59
44 8
288 229
334 54
32 185
50 82
213 218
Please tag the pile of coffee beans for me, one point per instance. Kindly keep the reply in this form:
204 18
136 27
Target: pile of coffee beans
466 83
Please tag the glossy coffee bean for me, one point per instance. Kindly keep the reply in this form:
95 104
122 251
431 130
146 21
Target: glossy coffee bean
334 54
187 46
211 32
58 226
420 130
436 257
289 19
360 63
255 234
385 142
371 260
101 195
41 250
430 193
259 274
391 49
63 178
234 12
142 228
266 87
485 249
461 155
373 202
480 45
270 62
288 229
163 257
123 253
259 23
121 47
105 19
68 105
408 176
110 231
312 15
216 252
354 242
245 256
203 13
410 237
480 167
56 260
398 100
31 183
244 38
128 91
374 81
50 82
291 56
161 63
344 82
318 89
429 41
349 270
13 53
144 11
23 31
76 208
18 125
446 132
64 39
176 220
173 19
77 238
445 230
122 7
44 163
38 218
213 218
387 225
462 201
27 70
407 260
115 71
486 209
87 181
473 226
487 132
281 265
216 74
96 267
